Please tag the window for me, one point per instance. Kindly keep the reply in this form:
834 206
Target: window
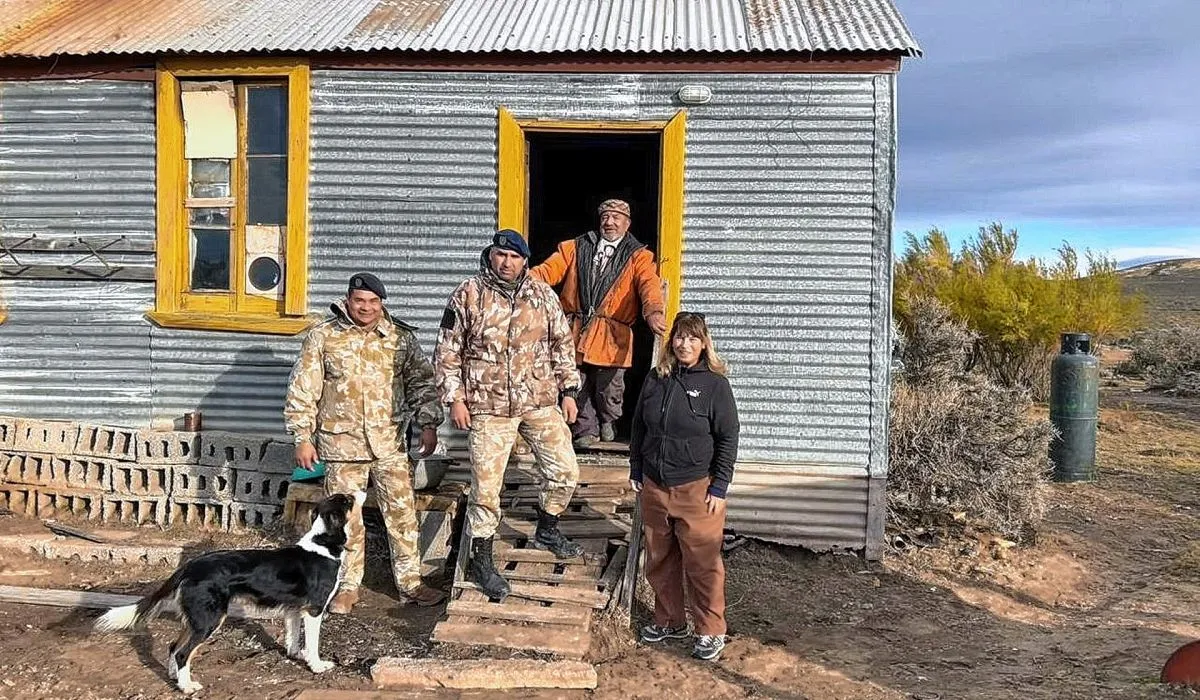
232 188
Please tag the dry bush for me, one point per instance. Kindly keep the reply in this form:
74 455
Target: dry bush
1168 359
1016 308
961 446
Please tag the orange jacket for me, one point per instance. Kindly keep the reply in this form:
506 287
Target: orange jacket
606 338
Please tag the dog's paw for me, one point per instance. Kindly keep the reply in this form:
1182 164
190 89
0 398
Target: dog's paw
191 687
320 665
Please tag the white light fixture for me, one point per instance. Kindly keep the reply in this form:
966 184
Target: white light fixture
695 94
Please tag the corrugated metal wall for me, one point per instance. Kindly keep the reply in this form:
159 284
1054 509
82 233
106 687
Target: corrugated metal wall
788 213
784 219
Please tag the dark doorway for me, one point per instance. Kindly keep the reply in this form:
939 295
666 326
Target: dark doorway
569 175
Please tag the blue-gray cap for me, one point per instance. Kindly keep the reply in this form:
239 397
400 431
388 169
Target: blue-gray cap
508 239
367 282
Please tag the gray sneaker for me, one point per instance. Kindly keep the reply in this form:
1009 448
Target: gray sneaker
656 633
608 432
709 646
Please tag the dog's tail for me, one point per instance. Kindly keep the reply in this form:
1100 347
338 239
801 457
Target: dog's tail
139 613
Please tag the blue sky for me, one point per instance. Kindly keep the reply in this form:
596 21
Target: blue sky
1074 120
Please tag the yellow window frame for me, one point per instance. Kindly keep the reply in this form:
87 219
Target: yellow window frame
175 305
512 184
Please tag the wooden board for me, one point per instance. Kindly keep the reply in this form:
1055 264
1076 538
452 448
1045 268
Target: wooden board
491 674
569 642
549 594
520 529
511 612
504 552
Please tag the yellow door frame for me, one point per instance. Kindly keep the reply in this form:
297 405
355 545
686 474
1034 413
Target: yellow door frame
512 184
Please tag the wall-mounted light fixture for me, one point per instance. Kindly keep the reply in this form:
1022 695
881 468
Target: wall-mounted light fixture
695 94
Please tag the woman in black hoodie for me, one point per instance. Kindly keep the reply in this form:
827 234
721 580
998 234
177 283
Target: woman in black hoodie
681 455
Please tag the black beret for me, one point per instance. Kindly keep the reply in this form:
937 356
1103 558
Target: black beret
369 282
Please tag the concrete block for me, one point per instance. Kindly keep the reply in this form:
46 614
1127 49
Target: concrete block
194 481
490 674
129 479
19 498
241 451
116 554
135 510
260 487
11 464
30 469
81 503
47 436
81 472
107 441
247 516
206 513
8 432
168 447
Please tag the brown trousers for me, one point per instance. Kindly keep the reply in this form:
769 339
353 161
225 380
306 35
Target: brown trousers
683 542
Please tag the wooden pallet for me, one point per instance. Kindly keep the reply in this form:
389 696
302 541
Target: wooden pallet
550 608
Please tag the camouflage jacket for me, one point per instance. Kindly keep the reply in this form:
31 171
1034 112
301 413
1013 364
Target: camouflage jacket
355 391
504 352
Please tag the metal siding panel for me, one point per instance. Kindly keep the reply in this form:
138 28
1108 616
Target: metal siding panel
816 507
76 351
236 380
77 159
644 26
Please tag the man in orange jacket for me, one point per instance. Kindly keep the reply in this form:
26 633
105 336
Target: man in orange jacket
607 279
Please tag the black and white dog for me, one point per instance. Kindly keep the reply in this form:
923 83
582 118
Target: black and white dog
298 581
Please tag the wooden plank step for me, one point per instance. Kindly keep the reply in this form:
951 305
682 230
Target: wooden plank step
588 513
510 553
550 594
491 674
520 529
584 491
563 641
566 579
512 612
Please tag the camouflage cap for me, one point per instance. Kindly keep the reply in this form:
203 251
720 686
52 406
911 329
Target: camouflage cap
618 205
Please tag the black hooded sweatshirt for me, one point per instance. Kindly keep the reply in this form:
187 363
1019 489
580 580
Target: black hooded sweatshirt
685 427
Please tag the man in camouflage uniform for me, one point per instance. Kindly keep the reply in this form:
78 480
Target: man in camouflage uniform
359 379
504 363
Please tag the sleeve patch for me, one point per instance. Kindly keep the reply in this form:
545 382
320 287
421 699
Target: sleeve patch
449 319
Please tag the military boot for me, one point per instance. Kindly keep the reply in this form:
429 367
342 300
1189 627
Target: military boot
483 570
549 537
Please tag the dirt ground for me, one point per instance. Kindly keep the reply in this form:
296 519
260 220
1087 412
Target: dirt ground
1091 611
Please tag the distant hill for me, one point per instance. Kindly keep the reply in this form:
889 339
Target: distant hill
1172 290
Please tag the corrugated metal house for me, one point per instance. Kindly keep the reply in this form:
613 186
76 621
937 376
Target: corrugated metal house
184 184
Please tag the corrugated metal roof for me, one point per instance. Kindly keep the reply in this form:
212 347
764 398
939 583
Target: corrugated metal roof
79 27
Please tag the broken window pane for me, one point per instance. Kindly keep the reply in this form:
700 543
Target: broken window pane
267 190
209 178
210 259
266 120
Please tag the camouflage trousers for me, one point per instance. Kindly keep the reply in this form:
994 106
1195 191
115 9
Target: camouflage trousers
490 443
394 493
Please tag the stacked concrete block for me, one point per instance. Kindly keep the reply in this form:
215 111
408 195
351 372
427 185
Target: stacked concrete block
137 479
81 472
204 513
237 451
19 498
168 447
253 515
8 432
30 469
81 503
193 482
107 441
260 487
45 436
136 510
